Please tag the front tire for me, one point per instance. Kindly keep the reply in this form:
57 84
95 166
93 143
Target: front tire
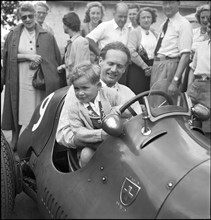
7 179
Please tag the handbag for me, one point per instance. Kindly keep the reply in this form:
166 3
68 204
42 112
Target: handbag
38 81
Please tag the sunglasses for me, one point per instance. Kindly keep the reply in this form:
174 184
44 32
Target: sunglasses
23 18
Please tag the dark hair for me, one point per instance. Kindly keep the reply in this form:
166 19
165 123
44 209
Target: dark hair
87 69
199 10
152 11
131 6
26 6
72 21
41 4
88 8
117 45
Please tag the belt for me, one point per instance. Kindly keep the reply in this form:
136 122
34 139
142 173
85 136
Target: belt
202 77
164 58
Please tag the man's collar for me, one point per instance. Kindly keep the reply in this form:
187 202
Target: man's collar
115 86
116 26
175 17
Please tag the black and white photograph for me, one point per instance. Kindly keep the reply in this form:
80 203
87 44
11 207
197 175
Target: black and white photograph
105 109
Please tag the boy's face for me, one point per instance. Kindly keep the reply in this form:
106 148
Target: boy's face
85 91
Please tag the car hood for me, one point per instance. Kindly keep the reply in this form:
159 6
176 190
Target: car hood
190 198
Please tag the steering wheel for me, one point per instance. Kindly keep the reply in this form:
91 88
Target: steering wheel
146 93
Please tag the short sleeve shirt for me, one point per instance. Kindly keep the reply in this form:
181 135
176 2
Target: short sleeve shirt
108 32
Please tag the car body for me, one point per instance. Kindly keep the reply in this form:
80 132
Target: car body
155 165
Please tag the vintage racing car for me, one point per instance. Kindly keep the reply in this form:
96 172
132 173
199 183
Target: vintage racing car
154 166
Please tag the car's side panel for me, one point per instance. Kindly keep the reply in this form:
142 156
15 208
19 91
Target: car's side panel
38 131
97 190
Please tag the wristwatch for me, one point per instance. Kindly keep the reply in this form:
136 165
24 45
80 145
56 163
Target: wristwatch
176 79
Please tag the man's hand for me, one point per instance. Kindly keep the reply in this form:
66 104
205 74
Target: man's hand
60 68
148 71
115 110
172 89
104 135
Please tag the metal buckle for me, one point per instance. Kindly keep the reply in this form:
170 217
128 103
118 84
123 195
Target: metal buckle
204 78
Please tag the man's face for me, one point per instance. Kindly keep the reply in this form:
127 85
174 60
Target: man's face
41 13
170 8
113 66
132 13
85 91
120 17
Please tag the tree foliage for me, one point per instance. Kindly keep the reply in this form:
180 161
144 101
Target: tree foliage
8 15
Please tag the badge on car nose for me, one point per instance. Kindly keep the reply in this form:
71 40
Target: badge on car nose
129 192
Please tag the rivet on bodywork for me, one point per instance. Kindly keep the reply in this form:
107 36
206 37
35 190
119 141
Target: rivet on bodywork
104 179
170 185
89 180
101 168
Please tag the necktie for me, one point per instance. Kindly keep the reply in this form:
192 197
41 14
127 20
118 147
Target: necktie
95 118
161 36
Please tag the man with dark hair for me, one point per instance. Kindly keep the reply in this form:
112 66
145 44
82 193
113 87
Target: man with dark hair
173 47
77 49
41 13
133 10
114 59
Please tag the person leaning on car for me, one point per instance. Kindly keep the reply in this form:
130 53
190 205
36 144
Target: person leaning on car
173 47
114 59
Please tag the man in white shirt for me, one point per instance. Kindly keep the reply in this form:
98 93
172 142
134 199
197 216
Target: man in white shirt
114 59
172 57
110 31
